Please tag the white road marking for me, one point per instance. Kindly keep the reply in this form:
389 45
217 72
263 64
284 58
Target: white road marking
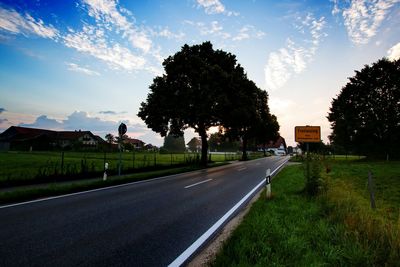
241 169
202 182
204 237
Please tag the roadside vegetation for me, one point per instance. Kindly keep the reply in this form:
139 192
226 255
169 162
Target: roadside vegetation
21 168
30 175
337 227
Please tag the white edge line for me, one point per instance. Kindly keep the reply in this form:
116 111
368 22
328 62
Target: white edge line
202 182
204 237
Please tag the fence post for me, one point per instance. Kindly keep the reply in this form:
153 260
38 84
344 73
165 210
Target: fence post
155 158
268 183
62 162
371 190
133 159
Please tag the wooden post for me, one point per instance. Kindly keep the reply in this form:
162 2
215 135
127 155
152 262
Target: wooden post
371 190
62 163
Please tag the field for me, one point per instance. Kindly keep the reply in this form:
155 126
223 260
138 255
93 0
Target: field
337 228
25 167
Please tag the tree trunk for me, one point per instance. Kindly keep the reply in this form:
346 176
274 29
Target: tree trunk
244 148
204 147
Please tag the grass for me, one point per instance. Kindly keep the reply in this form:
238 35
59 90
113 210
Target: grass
53 189
28 166
337 228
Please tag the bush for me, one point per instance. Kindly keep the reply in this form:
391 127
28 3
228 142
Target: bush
315 184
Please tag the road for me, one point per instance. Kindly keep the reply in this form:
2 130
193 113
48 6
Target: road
147 223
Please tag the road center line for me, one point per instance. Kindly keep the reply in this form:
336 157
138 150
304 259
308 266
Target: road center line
241 169
202 182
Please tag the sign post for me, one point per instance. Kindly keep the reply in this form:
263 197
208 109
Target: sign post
307 134
121 131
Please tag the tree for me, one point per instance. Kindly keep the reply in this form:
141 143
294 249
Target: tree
191 93
249 117
194 144
110 139
266 127
222 143
174 144
365 116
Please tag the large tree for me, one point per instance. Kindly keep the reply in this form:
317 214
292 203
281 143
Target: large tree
249 117
365 116
191 93
174 144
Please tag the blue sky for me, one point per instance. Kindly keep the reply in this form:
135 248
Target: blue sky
87 64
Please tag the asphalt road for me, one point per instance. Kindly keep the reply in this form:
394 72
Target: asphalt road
142 224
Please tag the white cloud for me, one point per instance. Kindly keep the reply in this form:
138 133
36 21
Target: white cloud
293 58
215 7
81 120
92 42
215 29
77 68
362 18
43 122
212 6
394 52
247 32
13 22
106 12
166 33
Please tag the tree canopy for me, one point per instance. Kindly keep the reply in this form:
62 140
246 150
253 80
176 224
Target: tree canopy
201 88
365 116
174 144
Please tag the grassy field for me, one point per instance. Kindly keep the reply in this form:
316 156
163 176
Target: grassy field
30 192
337 228
23 167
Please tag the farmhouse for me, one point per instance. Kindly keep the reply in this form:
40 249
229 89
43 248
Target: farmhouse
136 143
23 138
278 146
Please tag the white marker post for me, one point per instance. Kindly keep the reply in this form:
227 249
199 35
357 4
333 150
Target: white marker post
268 183
105 171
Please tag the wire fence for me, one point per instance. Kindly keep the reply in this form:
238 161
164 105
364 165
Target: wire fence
17 168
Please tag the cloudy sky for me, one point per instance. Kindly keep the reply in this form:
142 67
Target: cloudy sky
87 64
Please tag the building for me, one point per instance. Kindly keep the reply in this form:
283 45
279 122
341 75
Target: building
24 138
136 143
278 147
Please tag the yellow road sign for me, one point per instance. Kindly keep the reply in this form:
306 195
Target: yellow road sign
304 134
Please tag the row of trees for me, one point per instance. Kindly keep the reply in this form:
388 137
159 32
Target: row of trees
365 116
202 88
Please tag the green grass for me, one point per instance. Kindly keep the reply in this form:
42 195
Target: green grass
337 228
52 189
386 179
25 166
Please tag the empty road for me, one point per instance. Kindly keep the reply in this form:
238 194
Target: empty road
147 223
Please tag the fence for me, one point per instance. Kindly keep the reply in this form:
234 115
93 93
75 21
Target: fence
36 167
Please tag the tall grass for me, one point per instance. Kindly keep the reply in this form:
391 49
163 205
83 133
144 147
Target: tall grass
377 231
335 228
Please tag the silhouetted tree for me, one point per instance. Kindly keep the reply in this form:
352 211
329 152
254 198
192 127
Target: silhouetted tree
174 144
365 116
191 93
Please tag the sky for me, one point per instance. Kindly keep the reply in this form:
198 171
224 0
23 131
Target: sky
88 64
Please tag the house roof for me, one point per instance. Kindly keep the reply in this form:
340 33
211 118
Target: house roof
277 143
21 133
24 133
133 141
72 135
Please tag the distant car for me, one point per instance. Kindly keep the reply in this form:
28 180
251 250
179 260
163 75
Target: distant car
280 153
